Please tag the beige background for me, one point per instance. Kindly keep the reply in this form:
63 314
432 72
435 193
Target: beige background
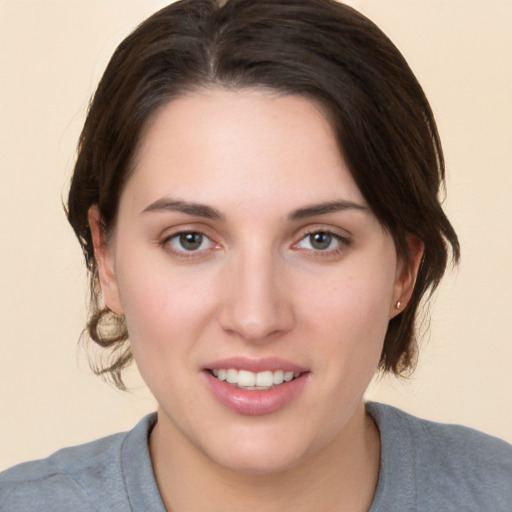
52 53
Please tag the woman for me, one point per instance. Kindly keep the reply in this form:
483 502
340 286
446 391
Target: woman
256 195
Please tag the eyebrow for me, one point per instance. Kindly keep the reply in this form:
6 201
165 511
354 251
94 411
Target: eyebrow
202 210
196 209
324 208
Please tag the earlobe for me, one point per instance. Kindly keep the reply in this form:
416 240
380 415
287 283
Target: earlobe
407 271
105 262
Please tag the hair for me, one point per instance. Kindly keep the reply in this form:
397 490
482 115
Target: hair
320 49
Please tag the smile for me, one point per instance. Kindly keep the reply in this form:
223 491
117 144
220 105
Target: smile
260 381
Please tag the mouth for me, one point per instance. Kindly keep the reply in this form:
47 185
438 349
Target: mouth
255 387
251 381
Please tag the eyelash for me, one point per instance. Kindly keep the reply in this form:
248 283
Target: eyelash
167 243
341 243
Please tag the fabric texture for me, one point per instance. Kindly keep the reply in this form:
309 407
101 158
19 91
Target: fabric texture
425 466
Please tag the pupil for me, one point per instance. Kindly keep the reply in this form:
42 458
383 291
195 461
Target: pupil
191 241
321 241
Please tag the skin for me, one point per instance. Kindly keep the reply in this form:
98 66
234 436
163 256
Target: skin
258 285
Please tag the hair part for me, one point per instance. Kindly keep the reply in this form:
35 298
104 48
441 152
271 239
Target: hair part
319 49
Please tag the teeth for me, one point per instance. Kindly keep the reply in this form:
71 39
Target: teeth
250 380
246 379
232 376
278 377
264 379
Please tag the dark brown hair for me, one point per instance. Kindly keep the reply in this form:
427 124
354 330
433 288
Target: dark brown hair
320 49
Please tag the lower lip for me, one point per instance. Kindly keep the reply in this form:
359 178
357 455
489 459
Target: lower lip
255 402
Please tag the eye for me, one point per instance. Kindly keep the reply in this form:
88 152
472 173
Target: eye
188 242
322 241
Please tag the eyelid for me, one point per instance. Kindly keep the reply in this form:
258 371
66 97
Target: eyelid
311 229
178 238
343 241
168 231
165 242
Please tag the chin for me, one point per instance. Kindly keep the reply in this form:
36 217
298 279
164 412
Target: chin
258 453
262 463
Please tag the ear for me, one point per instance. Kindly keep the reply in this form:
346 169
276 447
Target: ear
407 271
103 254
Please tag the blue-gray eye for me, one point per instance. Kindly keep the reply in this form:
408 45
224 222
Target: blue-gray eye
321 240
189 241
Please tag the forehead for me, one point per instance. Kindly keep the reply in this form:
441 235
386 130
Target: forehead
252 143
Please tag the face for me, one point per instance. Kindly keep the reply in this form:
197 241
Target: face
256 283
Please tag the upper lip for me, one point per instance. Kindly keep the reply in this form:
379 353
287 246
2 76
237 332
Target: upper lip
255 365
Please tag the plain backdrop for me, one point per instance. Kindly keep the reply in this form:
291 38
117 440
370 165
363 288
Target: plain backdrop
52 54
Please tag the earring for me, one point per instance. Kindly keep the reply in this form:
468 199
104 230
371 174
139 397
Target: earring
398 305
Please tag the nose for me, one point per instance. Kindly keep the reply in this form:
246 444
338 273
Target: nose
257 306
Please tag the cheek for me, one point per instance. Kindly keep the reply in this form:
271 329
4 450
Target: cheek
357 300
164 307
164 317
350 317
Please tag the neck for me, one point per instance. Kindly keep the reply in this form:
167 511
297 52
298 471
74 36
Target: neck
341 477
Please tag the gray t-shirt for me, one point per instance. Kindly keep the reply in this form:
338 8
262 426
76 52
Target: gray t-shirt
425 466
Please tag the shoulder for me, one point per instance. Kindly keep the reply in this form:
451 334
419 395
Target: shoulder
74 478
449 464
